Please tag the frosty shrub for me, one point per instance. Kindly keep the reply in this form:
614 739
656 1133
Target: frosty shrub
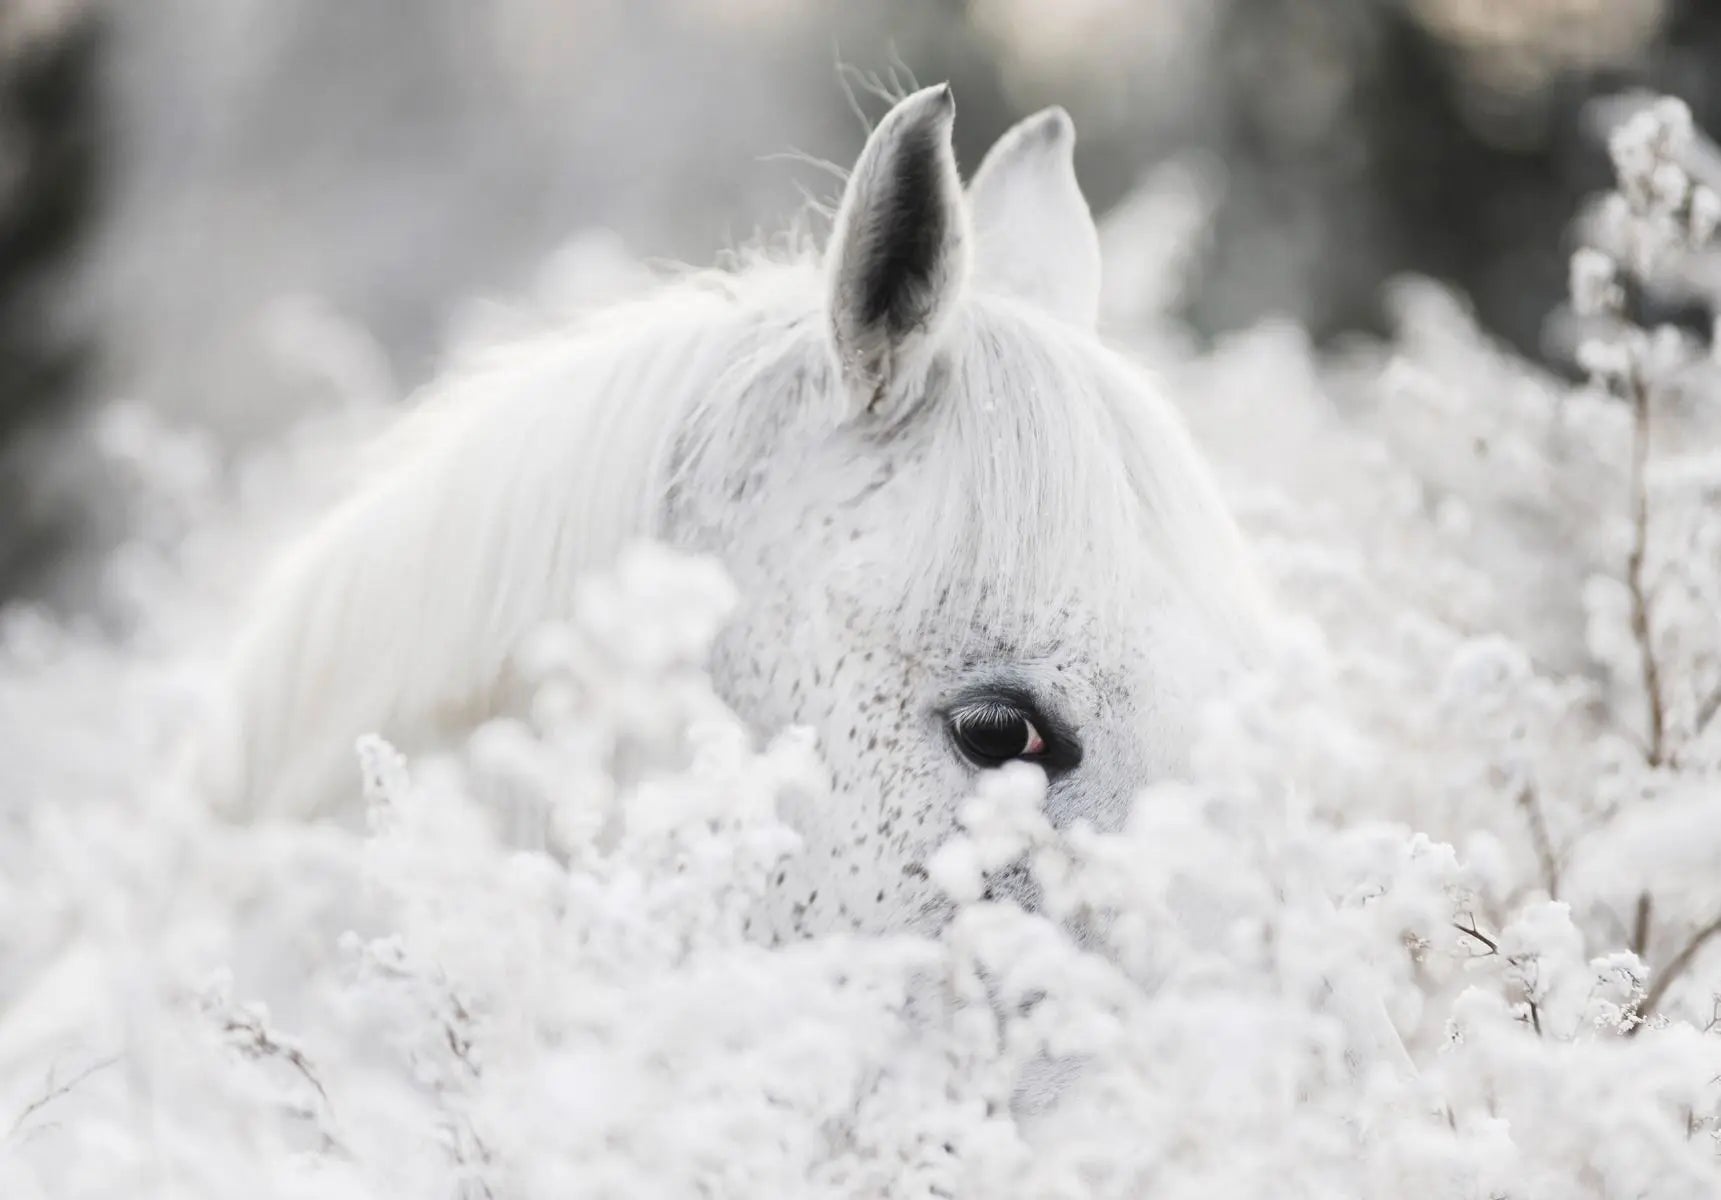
1433 918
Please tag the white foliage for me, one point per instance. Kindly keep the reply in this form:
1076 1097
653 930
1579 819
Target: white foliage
1433 918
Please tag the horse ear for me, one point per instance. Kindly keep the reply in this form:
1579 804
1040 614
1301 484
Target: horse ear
899 249
1036 238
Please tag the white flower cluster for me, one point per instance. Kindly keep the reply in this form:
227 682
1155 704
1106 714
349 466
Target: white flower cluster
1657 209
1654 219
1594 283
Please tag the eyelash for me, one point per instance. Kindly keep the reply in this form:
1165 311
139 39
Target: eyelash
1056 750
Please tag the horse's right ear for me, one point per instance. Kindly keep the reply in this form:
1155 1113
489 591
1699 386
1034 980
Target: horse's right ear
899 251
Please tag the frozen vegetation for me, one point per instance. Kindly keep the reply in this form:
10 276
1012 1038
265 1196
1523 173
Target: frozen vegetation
1472 805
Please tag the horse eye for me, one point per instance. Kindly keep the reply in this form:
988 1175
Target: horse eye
992 733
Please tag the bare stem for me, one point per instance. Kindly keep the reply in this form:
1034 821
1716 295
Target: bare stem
1707 710
1637 391
1531 803
1676 967
54 1093
262 1045
1471 931
1640 926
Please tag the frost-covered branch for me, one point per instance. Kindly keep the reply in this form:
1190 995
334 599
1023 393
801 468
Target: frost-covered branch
54 1092
1470 931
247 1034
1637 391
1677 966
1657 213
1531 803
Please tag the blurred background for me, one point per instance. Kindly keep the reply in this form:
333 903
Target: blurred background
190 188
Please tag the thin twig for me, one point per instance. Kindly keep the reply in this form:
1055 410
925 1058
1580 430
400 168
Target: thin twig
1706 712
1638 393
54 1093
1676 966
1640 925
1472 931
1530 802
262 1045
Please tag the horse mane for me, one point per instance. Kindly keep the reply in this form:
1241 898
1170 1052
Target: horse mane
534 463
527 465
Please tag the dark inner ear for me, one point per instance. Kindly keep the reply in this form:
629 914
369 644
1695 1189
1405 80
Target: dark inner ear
896 289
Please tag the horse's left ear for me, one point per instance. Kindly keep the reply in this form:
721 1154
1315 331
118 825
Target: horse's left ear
899 251
1034 235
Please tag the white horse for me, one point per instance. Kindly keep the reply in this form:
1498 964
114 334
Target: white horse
965 532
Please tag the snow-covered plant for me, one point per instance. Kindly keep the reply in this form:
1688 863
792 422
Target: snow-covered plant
1434 917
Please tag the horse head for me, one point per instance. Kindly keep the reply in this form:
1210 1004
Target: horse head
966 533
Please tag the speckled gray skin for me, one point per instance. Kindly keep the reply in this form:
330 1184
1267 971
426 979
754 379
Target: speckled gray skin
817 643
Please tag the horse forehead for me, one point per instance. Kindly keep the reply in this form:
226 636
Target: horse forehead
1108 628
1090 659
